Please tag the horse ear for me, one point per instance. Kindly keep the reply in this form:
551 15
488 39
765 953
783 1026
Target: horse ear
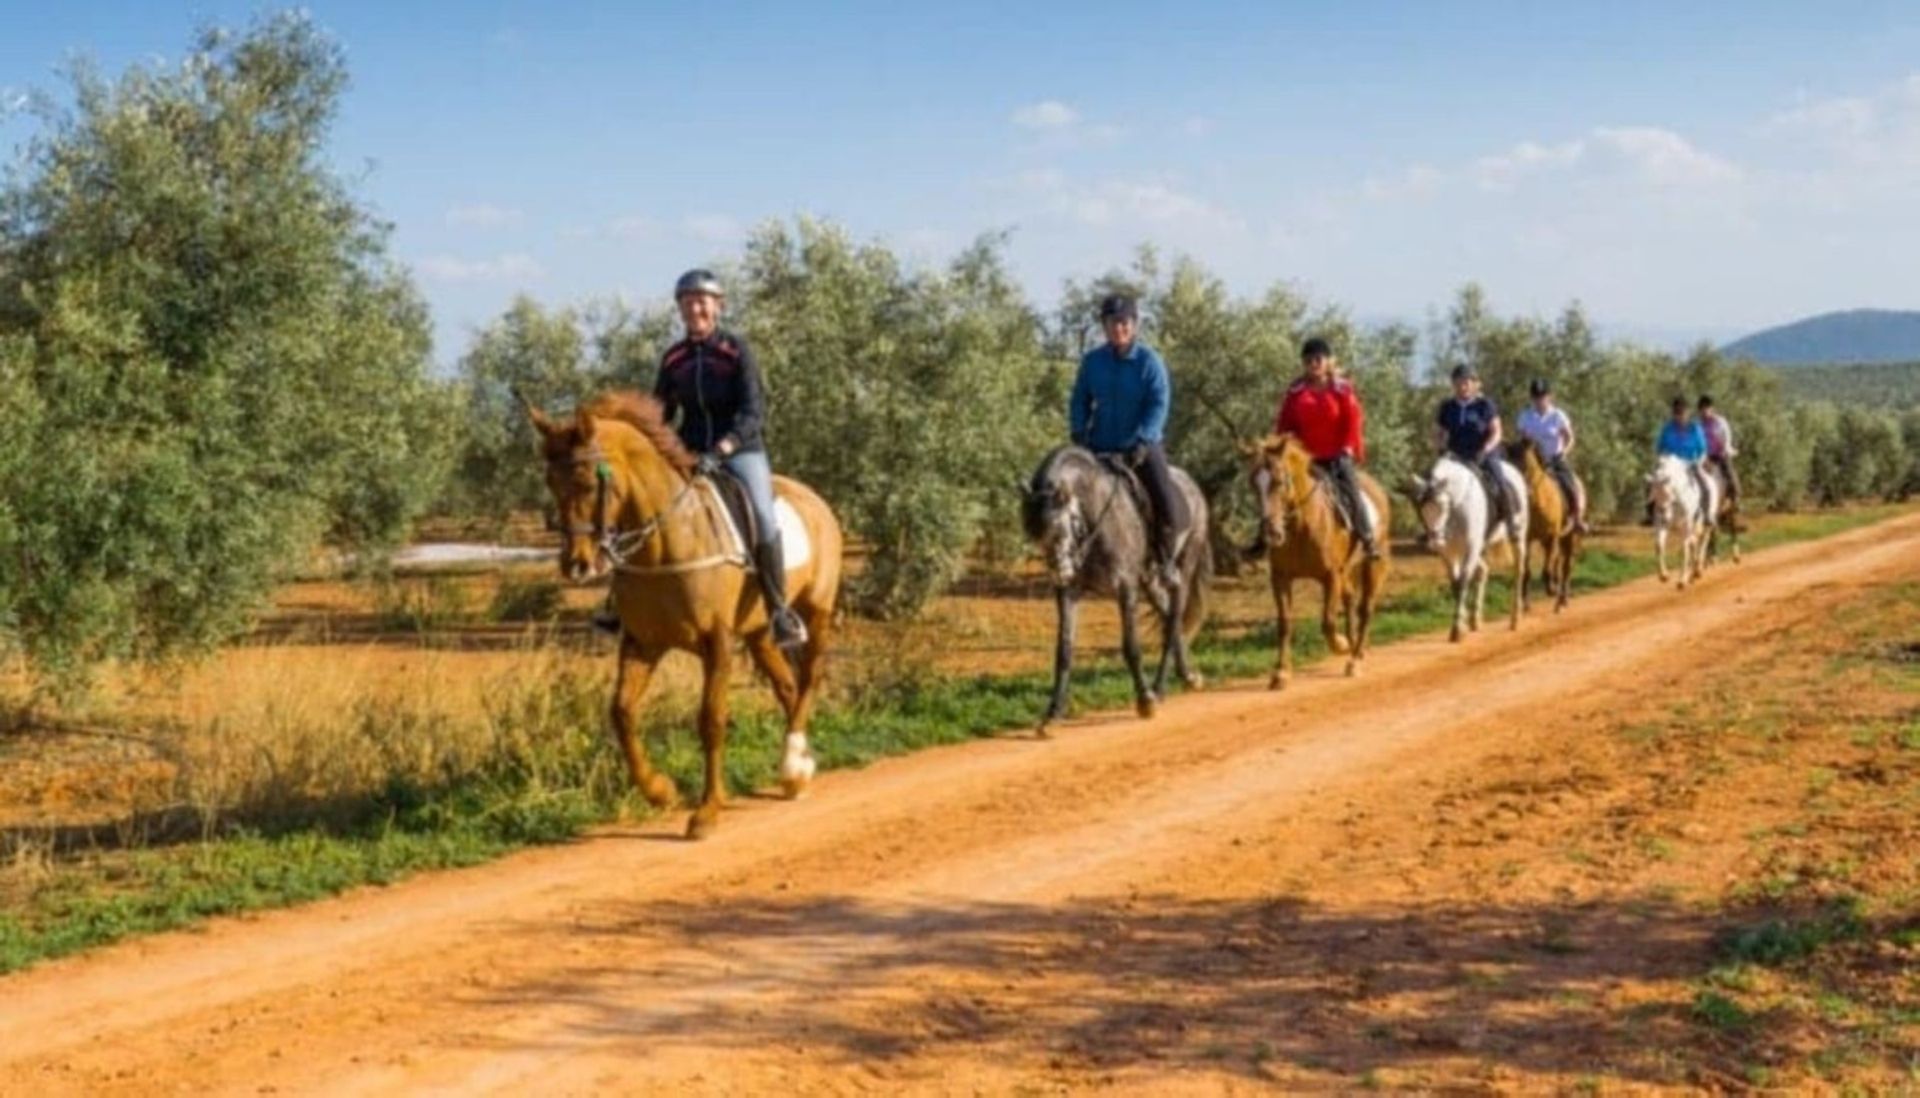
1415 487
1060 494
1273 444
539 418
583 423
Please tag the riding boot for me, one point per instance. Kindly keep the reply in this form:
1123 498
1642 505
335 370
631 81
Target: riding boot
769 560
1164 537
1257 548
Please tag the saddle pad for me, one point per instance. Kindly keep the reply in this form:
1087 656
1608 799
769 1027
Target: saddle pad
797 546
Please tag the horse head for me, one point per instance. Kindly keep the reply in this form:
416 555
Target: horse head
1432 503
1052 516
1283 477
589 469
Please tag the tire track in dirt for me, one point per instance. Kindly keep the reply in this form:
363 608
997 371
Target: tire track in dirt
771 955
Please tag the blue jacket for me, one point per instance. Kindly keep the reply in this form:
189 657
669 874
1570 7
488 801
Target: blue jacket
1119 401
1468 424
1688 442
713 386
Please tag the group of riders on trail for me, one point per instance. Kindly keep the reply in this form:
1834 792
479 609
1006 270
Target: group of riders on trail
711 389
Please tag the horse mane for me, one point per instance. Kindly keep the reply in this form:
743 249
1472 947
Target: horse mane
645 414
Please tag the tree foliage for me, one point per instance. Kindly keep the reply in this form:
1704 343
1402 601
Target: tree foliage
206 360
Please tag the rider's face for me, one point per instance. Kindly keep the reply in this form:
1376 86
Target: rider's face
1542 402
700 313
1464 387
1120 330
1319 367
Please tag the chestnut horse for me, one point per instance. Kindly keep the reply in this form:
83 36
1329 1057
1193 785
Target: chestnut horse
1305 540
630 504
1550 524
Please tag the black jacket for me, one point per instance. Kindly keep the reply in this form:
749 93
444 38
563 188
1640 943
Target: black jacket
713 386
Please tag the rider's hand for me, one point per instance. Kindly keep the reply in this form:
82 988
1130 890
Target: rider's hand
1137 454
707 465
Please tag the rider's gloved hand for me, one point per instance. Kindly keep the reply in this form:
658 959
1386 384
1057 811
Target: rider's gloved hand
707 465
1137 454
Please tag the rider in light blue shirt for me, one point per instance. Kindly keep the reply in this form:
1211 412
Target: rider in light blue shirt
1684 438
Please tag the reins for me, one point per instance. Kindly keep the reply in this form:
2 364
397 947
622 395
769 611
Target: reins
620 545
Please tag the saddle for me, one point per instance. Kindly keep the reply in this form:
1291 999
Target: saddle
1324 483
1131 482
737 509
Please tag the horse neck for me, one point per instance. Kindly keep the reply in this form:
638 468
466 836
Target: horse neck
649 489
1309 511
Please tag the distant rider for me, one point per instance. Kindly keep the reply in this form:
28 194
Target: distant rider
1468 427
1545 424
1323 411
1121 398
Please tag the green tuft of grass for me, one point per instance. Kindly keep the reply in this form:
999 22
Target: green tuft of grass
1777 942
1716 1010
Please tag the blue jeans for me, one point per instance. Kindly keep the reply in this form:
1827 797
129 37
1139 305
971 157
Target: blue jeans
752 469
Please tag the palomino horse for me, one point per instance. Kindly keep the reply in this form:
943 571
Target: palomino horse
1305 540
1549 523
1681 510
1094 538
630 504
1453 507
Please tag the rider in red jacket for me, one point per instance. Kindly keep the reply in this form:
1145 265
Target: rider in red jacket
1323 411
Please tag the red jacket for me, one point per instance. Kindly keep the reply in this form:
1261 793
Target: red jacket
1326 420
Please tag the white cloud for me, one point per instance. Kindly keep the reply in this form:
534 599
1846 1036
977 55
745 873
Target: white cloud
1416 181
713 228
513 266
1879 130
633 227
1664 158
1649 154
1121 201
1048 114
481 215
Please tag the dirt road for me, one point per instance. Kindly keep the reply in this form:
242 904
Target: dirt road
1114 907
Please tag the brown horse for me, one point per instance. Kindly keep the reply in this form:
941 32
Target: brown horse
1306 541
1549 523
630 504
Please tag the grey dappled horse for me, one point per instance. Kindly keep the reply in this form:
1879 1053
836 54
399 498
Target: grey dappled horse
1094 538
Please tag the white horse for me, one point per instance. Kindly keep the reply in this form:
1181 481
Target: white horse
1453 507
1682 508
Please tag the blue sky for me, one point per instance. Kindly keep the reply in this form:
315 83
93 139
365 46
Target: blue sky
1683 170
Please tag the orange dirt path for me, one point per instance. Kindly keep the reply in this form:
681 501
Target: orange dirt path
1002 915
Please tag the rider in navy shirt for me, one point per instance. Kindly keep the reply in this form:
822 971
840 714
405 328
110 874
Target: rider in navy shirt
1469 426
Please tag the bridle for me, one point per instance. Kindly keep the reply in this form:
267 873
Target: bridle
616 544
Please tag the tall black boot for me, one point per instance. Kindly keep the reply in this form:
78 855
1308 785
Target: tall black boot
770 561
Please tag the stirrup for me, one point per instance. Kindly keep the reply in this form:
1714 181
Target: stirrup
788 630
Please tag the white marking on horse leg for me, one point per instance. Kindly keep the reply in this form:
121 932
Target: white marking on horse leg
796 765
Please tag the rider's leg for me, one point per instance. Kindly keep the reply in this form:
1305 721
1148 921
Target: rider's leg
1167 511
1340 473
754 471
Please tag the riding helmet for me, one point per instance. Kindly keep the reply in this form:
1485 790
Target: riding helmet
1315 348
697 281
1118 307
1539 387
1464 371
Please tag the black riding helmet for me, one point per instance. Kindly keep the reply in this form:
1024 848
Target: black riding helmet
698 281
1118 307
1315 348
1539 388
1464 371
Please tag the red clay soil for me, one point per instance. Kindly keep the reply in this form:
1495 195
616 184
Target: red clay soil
1346 885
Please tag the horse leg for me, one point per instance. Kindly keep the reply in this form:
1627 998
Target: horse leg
1332 591
1563 574
1144 701
1459 579
1482 570
629 686
1519 583
1282 631
718 658
1660 548
1067 609
796 760
1360 613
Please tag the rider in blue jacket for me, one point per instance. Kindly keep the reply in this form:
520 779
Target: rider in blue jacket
1121 398
1684 438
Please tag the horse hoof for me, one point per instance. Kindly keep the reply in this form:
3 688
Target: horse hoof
1147 706
1278 681
1456 636
1353 669
1339 646
658 791
1663 577
1195 681
702 822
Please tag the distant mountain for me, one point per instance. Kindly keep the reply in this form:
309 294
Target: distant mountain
1857 336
